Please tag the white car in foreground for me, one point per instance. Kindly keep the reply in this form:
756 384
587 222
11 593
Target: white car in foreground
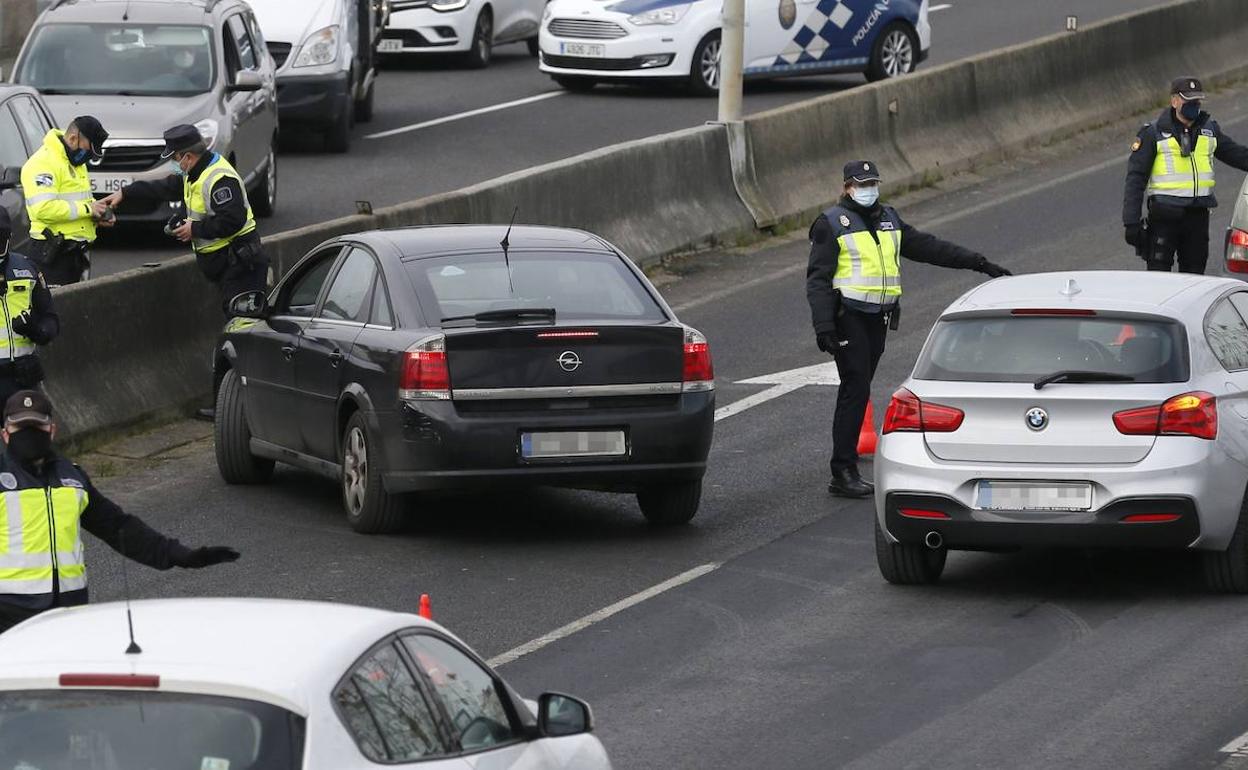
256 684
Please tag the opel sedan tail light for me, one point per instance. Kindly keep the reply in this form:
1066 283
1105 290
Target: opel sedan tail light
1237 251
425 376
699 372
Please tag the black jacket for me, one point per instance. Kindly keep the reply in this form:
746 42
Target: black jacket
46 323
1144 152
916 245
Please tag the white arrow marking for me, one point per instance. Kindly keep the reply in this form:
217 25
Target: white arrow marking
782 383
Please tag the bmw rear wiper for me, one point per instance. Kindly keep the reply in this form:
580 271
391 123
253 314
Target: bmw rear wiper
1075 375
507 314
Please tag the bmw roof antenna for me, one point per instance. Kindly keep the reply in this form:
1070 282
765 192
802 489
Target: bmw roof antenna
134 648
506 244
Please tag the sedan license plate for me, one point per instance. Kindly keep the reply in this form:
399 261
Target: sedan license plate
587 50
1033 496
573 443
389 45
109 184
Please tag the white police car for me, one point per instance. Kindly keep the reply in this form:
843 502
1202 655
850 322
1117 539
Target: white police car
584 42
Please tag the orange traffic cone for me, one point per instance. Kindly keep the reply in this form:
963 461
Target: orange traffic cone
866 437
426 609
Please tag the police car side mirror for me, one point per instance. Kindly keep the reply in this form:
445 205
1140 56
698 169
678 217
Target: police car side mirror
11 178
246 80
251 304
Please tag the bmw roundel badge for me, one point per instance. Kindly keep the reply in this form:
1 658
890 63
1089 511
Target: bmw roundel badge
1037 418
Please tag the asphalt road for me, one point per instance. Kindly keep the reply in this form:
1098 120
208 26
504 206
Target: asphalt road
314 186
788 649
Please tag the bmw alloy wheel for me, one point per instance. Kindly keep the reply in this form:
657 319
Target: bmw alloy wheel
897 53
355 471
709 64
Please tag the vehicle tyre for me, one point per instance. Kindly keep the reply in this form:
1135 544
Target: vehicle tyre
232 437
908 565
895 53
704 75
670 505
478 57
535 50
371 510
338 135
264 199
1226 572
575 83
364 107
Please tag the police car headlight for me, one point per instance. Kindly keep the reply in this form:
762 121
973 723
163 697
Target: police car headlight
208 129
321 47
669 15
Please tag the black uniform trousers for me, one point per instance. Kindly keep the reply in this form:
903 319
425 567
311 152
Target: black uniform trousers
1183 232
856 363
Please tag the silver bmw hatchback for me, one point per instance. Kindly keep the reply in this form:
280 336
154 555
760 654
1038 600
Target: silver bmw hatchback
1080 409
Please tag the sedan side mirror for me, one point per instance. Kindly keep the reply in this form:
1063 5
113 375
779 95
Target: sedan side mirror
11 178
250 304
246 80
559 715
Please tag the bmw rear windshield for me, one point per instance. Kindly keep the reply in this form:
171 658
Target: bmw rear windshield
577 286
1023 348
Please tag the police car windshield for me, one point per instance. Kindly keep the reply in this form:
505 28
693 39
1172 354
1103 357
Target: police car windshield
122 730
1011 348
134 59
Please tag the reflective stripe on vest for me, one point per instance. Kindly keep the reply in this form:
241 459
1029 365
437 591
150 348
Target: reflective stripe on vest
197 196
41 537
49 176
868 268
1180 177
18 297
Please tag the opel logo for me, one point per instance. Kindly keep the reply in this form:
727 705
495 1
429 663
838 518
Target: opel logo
1037 418
569 361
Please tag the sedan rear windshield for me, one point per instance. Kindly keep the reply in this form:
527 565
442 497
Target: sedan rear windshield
579 287
114 730
1026 348
121 58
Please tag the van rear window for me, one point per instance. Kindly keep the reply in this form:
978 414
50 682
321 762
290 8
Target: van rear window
1025 348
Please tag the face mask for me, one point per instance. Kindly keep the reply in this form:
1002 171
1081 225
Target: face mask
865 196
1190 110
30 444
78 157
176 168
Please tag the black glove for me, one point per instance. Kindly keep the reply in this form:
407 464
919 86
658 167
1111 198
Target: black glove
28 371
991 270
830 342
24 325
204 557
1132 235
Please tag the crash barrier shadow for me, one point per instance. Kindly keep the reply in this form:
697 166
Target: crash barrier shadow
139 343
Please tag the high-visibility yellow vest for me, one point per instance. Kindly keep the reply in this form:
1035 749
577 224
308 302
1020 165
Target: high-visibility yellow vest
58 193
39 531
1183 177
21 277
197 196
868 268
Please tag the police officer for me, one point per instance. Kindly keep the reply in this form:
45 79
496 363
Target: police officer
26 317
63 215
49 501
1172 160
853 284
218 220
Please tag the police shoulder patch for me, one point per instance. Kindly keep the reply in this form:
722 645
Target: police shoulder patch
886 225
1137 144
8 480
22 273
222 196
44 180
844 221
1206 132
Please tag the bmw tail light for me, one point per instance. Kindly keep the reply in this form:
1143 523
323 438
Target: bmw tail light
907 412
425 376
1237 251
699 372
1190 414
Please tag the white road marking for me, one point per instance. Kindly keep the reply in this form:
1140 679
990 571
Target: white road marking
602 614
468 114
941 7
1237 746
782 382
715 296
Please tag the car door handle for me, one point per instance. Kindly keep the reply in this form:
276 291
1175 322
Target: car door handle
335 358
288 351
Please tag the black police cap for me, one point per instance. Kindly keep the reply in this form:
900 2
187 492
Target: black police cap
181 138
1189 88
27 407
94 133
861 171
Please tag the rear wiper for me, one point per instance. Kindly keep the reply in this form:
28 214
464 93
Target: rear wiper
507 314
1075 375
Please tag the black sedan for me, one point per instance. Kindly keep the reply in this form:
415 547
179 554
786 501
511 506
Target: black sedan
460 357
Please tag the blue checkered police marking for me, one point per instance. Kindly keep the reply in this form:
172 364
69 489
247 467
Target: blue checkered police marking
817 35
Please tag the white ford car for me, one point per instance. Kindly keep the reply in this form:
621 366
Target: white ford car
257 684
470 28
585 42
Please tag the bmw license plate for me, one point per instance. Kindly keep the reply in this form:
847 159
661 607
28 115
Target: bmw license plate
587 50
1033 496
573 443
109 184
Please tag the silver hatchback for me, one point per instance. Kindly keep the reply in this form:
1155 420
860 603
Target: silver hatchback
1081 409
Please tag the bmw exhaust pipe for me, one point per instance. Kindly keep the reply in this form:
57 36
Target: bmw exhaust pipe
933 540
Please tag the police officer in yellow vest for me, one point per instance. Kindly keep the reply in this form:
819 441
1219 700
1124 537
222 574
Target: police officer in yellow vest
48 501
1172 162
218 221
27 318
63 213
853 284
